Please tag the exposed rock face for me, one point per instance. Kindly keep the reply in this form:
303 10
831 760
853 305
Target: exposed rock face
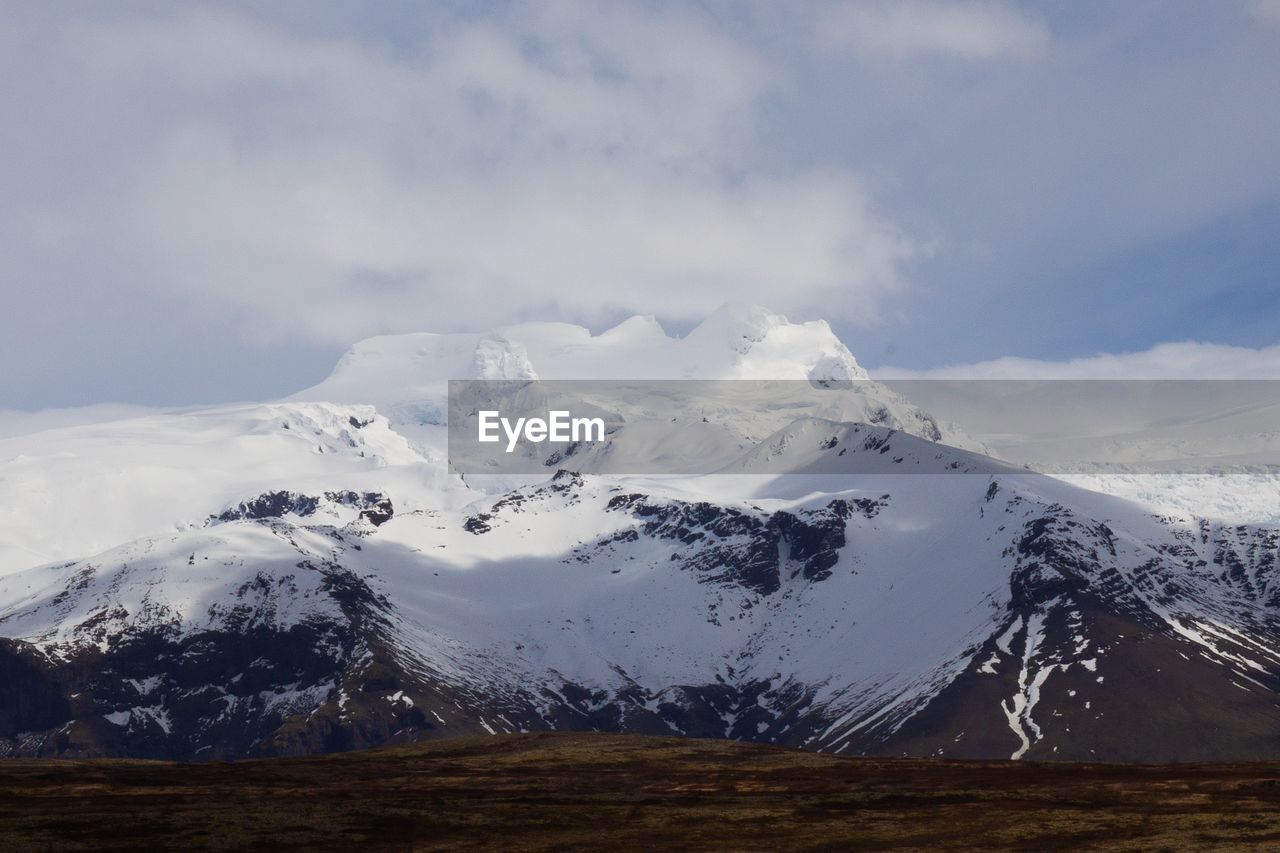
752 550
372 506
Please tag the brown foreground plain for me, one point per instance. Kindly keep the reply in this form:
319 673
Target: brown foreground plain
561 791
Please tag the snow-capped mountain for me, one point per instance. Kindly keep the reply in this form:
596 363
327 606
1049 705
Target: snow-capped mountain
306 576
405 376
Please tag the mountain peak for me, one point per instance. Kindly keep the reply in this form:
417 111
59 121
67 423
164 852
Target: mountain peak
737 341
761 344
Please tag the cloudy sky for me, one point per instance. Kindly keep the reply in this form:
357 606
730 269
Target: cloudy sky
208 202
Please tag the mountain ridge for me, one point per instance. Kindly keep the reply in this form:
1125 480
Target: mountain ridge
334 588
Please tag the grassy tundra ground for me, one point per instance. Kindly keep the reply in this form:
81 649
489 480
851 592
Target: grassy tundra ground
544 791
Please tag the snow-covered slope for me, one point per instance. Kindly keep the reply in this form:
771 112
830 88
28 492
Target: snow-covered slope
304 576
959 614
79 490
855 448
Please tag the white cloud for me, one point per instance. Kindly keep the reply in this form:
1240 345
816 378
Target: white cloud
905 29
1177 360
175 175
579 160
1267 9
